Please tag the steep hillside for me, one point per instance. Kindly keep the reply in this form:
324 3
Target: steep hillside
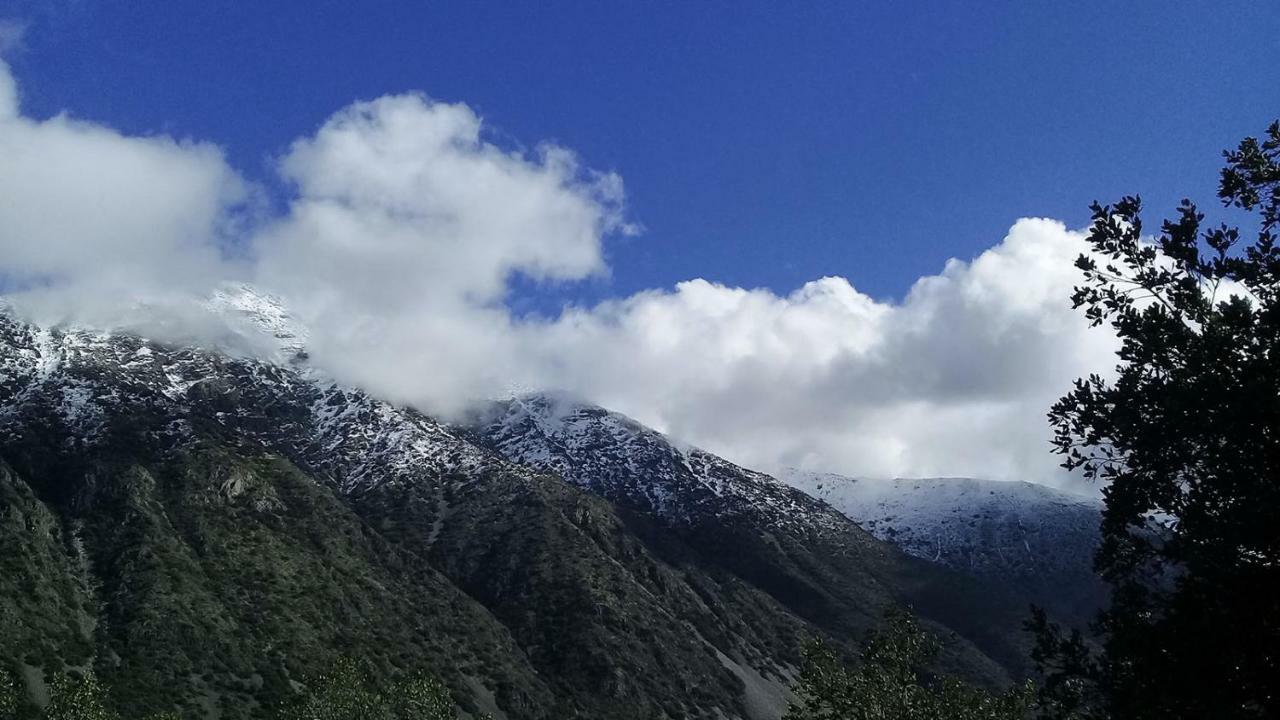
702 510
1036 538
206 530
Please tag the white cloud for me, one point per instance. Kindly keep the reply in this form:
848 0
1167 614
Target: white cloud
406 226
93 221
8 93
954 380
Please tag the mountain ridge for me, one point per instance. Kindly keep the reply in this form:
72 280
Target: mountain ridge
193 491
1038 539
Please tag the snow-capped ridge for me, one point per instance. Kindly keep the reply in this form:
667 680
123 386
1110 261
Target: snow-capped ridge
253 312
620 458
1030 535
78 379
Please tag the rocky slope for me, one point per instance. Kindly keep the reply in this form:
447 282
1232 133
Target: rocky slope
1035 538
206 530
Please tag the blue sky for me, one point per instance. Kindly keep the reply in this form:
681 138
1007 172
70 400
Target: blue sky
763 146
762 143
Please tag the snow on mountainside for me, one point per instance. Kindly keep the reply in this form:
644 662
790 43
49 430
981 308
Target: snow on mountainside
1030 535
614 456
89 376
243 308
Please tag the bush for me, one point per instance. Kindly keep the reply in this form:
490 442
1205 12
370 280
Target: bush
347 691
78 699
887 684
8 696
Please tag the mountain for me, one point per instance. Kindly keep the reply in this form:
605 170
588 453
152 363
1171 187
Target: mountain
207 530
695 508
1037 539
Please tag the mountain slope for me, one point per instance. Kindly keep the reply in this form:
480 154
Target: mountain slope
206 530
700 509
243 523
1035 538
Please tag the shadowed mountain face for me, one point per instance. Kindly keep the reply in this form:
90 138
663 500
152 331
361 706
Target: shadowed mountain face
207 530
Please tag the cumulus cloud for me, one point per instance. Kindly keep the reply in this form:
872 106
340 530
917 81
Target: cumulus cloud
405 229
95 222
405 226
953 380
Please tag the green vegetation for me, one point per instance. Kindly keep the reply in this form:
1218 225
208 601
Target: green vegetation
1185 438
214 582
81 698
888 683
72 696
344 692
8 696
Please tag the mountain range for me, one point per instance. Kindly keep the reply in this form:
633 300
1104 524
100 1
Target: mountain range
1038 539
207 530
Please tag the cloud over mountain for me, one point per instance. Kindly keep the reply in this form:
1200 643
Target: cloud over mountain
92 221
404 227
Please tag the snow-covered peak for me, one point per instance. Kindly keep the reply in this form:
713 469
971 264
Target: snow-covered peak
1028 534
937 492
615 456
250 311
70 382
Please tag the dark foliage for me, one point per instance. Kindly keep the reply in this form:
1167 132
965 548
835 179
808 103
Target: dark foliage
347 691
1187 439
8 696
887 683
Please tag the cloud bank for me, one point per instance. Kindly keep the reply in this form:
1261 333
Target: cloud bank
405 227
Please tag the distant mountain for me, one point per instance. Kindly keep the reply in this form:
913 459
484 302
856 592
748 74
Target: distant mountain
206 530
1036 538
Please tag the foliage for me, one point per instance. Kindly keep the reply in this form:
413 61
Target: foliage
422 697
347 691
1185 438
8 696
82 698
887 683
1070 670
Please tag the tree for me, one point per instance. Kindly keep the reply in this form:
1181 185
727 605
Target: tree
78 699
346 692
8 696
887 685
341 693
1186 438
422 697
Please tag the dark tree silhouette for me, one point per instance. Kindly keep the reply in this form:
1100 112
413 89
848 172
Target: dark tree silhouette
1187 439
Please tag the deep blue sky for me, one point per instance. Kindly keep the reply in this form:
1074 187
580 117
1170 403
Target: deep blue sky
762 143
